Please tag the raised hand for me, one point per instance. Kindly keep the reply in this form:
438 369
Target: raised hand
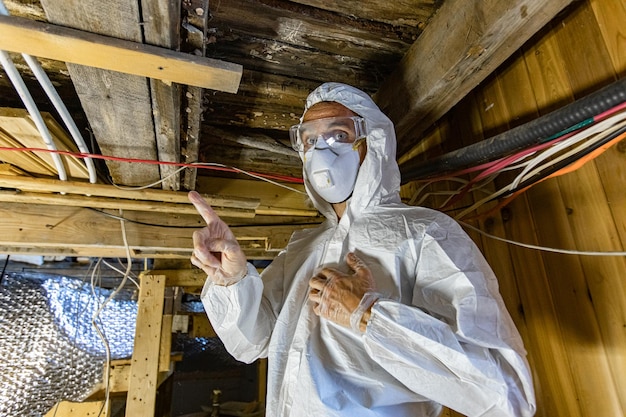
338 296
215 249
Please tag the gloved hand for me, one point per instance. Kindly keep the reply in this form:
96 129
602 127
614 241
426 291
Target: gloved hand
215 249
344 298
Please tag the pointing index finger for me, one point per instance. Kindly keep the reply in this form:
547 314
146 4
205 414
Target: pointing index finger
204 209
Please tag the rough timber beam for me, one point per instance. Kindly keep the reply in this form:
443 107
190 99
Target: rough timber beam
75 231
89 49
464 42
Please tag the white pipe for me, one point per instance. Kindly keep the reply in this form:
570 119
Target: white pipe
43 79
19 85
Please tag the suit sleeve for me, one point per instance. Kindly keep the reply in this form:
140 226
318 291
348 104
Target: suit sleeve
456 344
244 314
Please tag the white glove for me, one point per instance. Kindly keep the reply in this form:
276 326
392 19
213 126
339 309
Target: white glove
216 250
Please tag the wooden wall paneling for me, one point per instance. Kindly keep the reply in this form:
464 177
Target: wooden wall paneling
611 15
611 165
524 279
587 361
590 216
587 61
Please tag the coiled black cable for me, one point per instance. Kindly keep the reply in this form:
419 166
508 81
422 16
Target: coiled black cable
520 137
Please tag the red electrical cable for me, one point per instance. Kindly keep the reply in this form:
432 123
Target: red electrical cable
153 162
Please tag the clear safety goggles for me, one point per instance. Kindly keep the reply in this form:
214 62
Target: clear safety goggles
331 130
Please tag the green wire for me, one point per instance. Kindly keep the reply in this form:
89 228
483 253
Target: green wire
577 126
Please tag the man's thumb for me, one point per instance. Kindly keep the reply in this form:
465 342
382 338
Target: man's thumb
354 262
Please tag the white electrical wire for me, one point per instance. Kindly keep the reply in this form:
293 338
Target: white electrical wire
212 164
590 136
96 315
580 136
543 248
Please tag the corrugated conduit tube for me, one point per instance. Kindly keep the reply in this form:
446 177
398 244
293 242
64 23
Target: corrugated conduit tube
521 137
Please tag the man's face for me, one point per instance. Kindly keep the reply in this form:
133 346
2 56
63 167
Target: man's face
326 109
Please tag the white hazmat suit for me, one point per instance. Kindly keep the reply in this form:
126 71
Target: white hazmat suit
440 335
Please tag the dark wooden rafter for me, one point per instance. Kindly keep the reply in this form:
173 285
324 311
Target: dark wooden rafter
465 41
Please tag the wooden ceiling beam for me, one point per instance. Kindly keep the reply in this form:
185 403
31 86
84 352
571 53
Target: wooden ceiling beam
80 47
37 230
39 185
464 42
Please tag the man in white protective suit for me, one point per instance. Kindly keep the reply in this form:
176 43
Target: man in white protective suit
384 309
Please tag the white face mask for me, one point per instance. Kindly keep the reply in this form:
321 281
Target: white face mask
332 170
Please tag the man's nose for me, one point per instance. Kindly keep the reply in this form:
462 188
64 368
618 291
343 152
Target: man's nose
320 142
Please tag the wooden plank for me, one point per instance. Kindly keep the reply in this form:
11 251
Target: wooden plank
89 49
161 28
19 124
190 146
428 83
611 16
33 229
268 195
586 199
265 101
102 190
8 169
144 370
201 326
119 374
165 348
313 30
85 409
580 28
114 204
397 13
25 160
181 277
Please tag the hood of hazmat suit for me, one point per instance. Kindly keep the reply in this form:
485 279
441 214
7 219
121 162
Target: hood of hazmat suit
439 336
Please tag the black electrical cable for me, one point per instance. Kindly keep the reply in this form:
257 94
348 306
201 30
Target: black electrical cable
521 137
565 162
199 226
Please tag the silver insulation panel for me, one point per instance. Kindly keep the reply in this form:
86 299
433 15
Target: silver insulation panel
49 348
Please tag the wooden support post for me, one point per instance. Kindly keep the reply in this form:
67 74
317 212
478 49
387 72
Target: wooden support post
144 369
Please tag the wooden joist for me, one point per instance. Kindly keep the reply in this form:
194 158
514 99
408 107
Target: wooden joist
101 190
465 41
93 50
74 231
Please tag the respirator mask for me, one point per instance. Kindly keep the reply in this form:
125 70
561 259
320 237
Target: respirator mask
329 150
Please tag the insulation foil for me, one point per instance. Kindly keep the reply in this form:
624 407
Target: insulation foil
49 348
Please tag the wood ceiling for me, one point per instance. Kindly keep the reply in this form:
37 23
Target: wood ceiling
416 57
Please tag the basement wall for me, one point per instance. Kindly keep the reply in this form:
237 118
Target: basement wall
570 310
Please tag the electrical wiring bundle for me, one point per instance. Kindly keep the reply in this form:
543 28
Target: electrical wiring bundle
599 125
